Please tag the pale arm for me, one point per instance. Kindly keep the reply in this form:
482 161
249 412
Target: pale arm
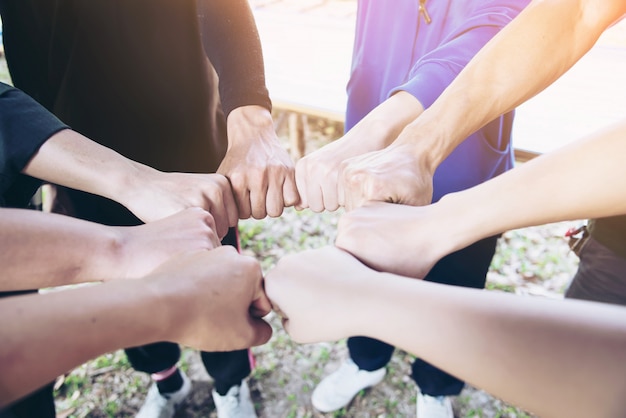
536 353
45 250
530 53
258 167
209 300
585 179
317 172
72 160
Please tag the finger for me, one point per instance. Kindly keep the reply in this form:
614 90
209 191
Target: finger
341 193
329 195
291 197
242 199
258 195
260 306
301 176
274 203
230 205
220 217
262 332
212 234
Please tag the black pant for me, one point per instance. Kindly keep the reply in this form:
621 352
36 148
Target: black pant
467 267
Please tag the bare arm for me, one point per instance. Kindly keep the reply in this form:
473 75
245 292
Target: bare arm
209 300
530 53
317 173
72 160
44 250
581 180
552 348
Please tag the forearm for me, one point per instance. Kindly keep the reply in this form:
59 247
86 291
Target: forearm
72 326
42 250
543 42
72 160
581 180
383 124
487 337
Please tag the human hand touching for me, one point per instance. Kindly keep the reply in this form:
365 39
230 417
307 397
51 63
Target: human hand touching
387 237
317 172
141 249
393 174
156 195
260 170
214 300
72 160
314 292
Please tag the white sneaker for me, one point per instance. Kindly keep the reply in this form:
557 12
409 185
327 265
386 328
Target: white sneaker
236 403
163 405
337 389
434 406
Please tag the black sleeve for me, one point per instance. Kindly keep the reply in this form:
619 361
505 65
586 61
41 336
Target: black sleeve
231 42
24 126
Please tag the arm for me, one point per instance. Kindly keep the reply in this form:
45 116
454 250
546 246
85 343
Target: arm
209 300
355 169
481 337
70 159
317 173
36 144
45 250
576 182
530 53
259 168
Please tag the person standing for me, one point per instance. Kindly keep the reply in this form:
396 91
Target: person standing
404 57
178 86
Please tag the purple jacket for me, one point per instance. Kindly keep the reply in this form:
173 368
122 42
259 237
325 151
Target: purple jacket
396 49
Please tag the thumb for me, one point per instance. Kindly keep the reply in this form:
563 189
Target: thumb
261 332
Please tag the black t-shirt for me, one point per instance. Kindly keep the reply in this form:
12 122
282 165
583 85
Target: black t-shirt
141 76
24 126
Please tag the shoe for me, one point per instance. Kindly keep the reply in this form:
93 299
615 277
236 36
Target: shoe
163 405
434 406
236 403
337 389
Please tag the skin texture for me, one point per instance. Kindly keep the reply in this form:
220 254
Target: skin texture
43 249
321 175
187 300
482 337
517 63
72 160
259 168
503 203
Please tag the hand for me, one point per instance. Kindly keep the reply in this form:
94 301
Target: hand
316 174
400 239
318 293
260 170
390 175
158 195
145 247
215 300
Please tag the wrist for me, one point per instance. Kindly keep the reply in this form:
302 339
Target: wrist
463 227
248 122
